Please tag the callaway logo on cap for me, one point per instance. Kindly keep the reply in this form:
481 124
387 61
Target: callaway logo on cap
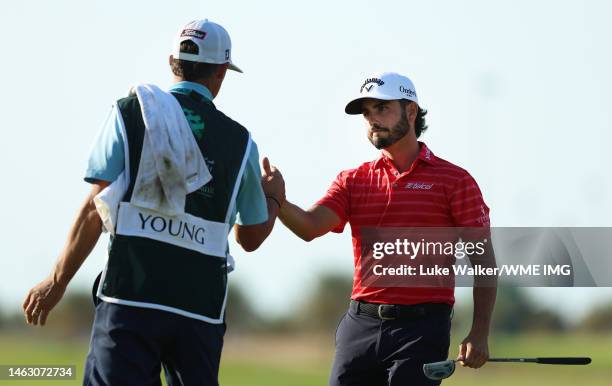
213 41
386 86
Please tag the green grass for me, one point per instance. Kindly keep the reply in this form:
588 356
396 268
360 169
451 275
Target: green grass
305 361
240 373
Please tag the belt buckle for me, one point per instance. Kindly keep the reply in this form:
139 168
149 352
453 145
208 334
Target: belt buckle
380 315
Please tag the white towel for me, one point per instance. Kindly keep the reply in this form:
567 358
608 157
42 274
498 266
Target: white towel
171 164
107 202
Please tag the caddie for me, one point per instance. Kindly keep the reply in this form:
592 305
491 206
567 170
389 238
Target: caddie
163 292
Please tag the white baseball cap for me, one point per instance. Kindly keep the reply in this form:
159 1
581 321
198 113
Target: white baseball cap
213 41
386 86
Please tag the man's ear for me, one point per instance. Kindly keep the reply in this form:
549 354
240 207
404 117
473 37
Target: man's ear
412 110
221 70
170 59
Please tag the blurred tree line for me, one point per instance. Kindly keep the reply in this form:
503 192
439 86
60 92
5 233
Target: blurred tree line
321 310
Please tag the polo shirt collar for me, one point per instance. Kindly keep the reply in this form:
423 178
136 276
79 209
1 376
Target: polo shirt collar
425 155
186 87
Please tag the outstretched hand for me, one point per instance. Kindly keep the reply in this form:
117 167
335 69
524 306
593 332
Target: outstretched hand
272 181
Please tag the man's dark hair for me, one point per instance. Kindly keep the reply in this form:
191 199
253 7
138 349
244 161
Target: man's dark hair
192 71
419 124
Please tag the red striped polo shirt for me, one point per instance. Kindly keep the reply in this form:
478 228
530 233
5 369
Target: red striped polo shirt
431 193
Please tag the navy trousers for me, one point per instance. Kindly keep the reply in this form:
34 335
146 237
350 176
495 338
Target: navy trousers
375 352
129 345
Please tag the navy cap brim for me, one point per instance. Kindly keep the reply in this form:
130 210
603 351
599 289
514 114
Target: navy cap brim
354 106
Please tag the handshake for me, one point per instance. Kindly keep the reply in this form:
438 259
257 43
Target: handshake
272 183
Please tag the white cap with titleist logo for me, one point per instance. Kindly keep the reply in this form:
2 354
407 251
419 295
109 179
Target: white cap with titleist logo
385 86
213 41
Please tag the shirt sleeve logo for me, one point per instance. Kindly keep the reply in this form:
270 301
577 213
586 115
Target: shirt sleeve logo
484 217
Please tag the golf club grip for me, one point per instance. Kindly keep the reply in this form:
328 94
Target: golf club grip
564 361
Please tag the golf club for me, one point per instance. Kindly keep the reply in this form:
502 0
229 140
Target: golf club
441 370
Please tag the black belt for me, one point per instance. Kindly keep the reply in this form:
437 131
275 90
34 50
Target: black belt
400 311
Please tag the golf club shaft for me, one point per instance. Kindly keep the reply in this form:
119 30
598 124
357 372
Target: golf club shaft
547 360
520 360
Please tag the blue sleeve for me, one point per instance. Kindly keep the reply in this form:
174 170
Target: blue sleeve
107 155
251 201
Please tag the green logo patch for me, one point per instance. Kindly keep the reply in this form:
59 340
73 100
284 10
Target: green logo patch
195 122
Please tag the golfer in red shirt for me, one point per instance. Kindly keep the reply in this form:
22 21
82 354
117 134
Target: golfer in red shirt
389 332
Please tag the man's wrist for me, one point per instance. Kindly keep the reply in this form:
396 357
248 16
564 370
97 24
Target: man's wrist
479 330
275 200
60 279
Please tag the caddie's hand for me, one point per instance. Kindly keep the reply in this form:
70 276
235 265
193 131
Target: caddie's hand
40 301
474 351
272 181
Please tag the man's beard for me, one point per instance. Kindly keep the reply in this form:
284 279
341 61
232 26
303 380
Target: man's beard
397 132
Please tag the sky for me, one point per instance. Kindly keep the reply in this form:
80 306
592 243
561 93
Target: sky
517 94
